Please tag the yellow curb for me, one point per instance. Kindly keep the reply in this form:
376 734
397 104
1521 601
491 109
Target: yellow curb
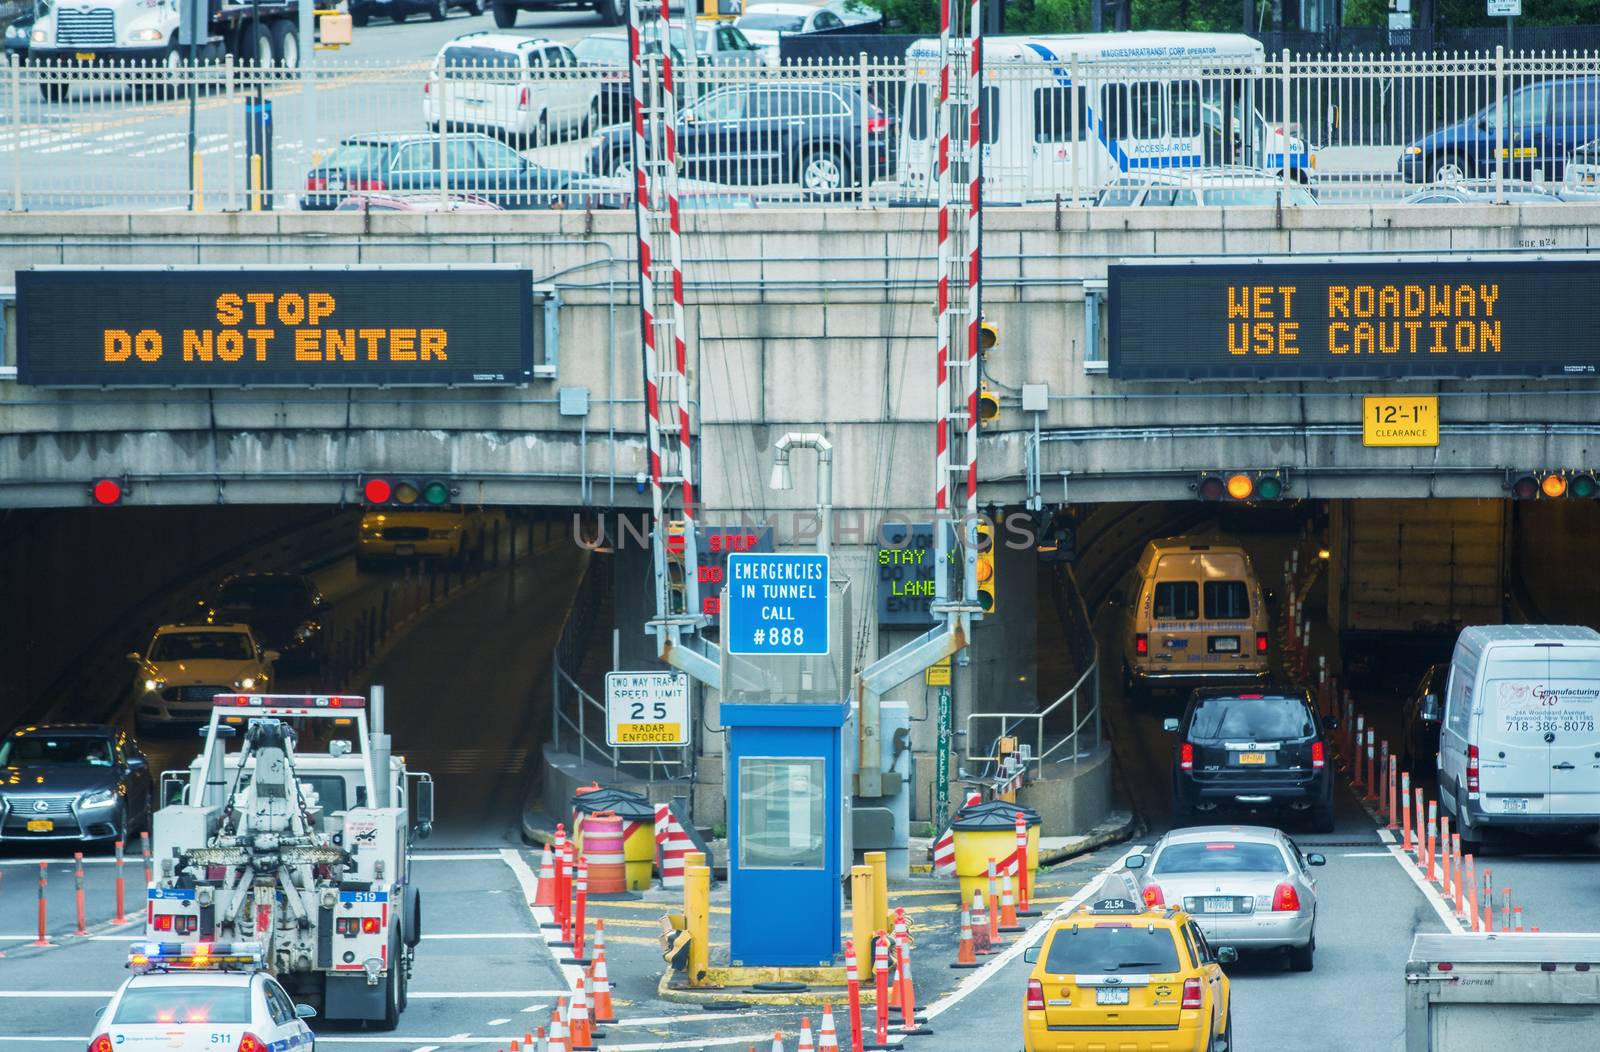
667 991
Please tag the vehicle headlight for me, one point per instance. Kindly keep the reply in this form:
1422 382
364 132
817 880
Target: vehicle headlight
98 798
245 683
38 36
15 32
146 34
151 685
1413 150
306 631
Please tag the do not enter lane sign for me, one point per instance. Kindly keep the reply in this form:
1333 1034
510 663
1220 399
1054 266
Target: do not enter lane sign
778 604
647 708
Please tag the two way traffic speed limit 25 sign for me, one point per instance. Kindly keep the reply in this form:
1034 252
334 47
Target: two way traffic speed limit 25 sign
647 708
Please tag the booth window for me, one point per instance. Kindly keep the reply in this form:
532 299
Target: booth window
782 812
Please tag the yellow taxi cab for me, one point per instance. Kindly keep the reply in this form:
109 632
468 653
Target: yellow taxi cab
402 533
1119 975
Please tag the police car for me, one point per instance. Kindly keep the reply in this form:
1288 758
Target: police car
201 997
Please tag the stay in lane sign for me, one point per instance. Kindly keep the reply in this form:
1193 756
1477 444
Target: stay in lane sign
777 604
647 708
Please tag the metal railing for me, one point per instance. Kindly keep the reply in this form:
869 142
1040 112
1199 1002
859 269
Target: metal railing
1286 131
1079 705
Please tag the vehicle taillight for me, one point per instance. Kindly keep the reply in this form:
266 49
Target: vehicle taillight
1141 644
1261 642
163 922
1191 993
1285 899
102 1043
427 87
522 100
1035 1000
876 125
1186 756
1153 896
251 1043
1319 756
346 926
316 182
368 184
1472 768
369 925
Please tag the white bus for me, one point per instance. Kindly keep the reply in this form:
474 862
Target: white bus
1140 101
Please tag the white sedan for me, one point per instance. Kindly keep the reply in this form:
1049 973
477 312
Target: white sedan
208 1002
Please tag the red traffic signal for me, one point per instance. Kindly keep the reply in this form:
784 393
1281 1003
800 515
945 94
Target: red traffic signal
403 492
106 492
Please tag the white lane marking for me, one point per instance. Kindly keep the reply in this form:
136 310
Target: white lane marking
976 979
482 935
706 1042
529 883
1445 910
57 993
426 1048
497 1022
465 856
1366 854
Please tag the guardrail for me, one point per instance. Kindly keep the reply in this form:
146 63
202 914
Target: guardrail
1284 132
1079 705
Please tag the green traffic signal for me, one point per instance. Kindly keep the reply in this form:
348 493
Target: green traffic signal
1585 486
436 492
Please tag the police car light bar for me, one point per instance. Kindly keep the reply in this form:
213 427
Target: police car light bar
195 955
278 703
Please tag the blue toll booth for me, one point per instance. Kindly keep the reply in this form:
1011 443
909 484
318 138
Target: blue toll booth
785 832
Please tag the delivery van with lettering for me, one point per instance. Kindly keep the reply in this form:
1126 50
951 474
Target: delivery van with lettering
1195 616
1520 744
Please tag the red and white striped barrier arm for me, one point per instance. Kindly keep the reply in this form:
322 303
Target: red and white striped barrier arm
669 110
974 244
641 213
941 439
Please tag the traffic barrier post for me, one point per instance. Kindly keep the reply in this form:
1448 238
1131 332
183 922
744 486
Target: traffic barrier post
1023 908
697 916
1455 851
1392 784
900 934
880 978
1486 899
1472 894
995 942
1405 809
77 882
879 861
559 905
580 911
1444 847
1430 870
1361 731
121 917
982 944
44 880
861 905
910 1025
1372 777
1008 906
852 984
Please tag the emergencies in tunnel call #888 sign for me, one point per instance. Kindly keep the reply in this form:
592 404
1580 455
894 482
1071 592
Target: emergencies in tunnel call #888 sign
647 708
778 604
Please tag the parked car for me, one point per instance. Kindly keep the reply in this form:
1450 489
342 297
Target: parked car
477 165
187 665
765 24
1545 121
609 52
1252 750
1582 177
415 203
1520 733
1419 722
364 11
1482 192
72 781
1247 886
1222 185
611 12
771 132
527 89
283 610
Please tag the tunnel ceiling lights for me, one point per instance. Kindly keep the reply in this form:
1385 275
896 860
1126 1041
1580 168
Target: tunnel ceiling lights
1241 486
405 492
1553 485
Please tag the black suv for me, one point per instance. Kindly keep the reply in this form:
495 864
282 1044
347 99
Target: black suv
816 135
1419 735
283 610
1252 750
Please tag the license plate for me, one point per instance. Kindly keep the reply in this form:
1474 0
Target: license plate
1178 644
1111 995
83 56
1225 644
40 825
1222 905
335 182
1514 804
1253 757
405 549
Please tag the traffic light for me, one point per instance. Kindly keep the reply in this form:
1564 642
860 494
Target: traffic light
382 491
677 570
1241 486
108 492
986 581
988 406
988 338
1552 485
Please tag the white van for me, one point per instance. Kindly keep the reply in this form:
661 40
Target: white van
1142 101
1520 742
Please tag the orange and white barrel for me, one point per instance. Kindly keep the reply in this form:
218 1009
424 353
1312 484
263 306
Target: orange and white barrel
602 846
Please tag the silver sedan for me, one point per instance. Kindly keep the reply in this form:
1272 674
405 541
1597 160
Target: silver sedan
1246 886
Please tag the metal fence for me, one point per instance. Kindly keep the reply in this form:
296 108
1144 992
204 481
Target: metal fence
1296 132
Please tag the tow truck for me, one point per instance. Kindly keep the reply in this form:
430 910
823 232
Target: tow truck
307 853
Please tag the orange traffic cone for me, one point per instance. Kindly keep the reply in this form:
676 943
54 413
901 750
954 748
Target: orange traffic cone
545 894
1008 906
578 1020
603 1009
514 1046
560 1040
807 1043
965 956
981 942
541 1044
777 1041
827 1039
